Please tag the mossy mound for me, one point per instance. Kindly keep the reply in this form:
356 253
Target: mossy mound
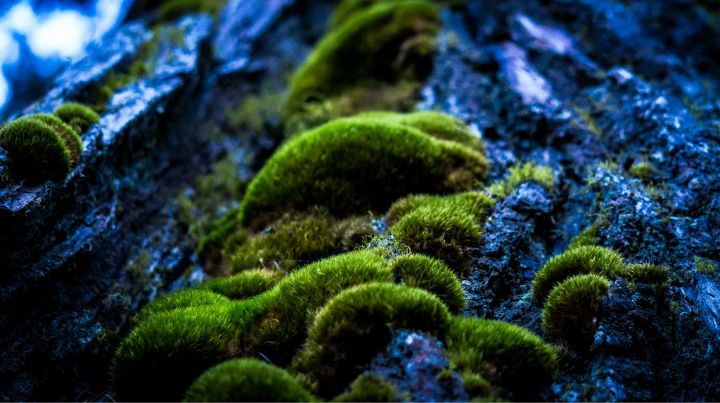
245 284
181 299
246 380
369 388
297 239
78 116
40 147
356 324
432 275
509 357
354 165
570 312
580 260
520 174
587 237
478 204
378 46
647 273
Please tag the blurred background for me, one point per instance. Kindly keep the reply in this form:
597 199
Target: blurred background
40 37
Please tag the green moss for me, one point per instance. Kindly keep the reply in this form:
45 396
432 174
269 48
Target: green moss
580 260
345 166
705 266
477 204
647 273
476 386
520 174
355 325
369 388
246 380
376 47
431 275
507 356
256 114
641 169
300 238
69 136
444 232
570 312
297 297
588 237
243 285
180 299
80 117
36 151
165 353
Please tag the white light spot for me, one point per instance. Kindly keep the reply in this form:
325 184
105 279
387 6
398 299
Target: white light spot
62 33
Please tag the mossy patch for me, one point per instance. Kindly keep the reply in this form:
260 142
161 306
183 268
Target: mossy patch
587 237
571 309
246 380
369 388
181 299
509 357
78 116
68 135
580 260
356 324
432 275
243 285
641 169
647 273
477 204
354 165
36 150
520 174
376 47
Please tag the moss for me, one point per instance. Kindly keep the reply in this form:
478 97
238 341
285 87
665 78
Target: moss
647 273
508 356
344 166
580 260
377 46
180 299
588 237
520 174
165 353
476 386
431 275
369 388
356 324
705 266
243 285
297 297
36 151
69 136
442 231
477 204
570 312
641 169
300 238
256 114
80 117
246 380
171 10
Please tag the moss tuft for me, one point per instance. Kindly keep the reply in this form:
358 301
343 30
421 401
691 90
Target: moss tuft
246 380
641 169
344 166
477 204
180 299
39 148
570 312
647 273
78 116
376 47
588 237
243 285
68 135
356 324
431 275
369 388
580 260
520 174
506 355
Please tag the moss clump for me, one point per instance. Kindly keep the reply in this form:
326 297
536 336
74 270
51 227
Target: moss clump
588 237
705 266
647 273
297 297
299 238
246 380
580 260
508 356
570 312
431 275
444 232
357 323
520 174
355 165
369 388
377 47
180 299
40 147
477 204
243 285
78 116
165 353
641 169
